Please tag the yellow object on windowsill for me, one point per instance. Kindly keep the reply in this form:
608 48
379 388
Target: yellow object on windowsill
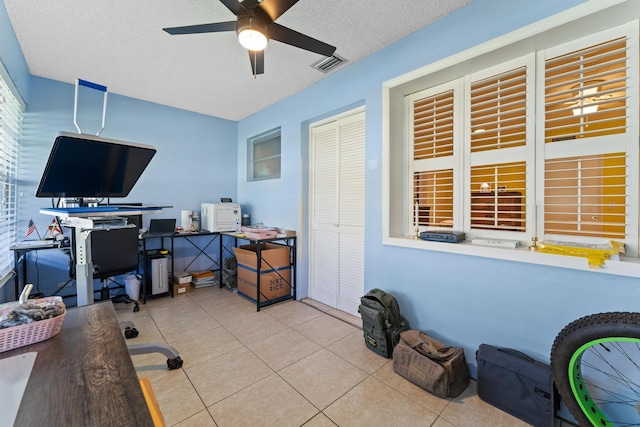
596 253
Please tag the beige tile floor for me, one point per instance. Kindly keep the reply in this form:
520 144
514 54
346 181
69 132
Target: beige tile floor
291 364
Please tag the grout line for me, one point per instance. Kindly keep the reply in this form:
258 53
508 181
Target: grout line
328 312
273 371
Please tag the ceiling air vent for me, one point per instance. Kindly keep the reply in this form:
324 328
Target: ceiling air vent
327 64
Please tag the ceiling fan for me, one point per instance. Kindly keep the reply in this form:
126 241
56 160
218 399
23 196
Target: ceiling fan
255 26
585 97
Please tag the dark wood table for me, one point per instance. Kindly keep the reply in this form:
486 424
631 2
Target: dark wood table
84 376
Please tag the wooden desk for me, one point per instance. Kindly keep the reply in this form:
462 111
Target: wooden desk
84 376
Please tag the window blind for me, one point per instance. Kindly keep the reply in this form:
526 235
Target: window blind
433 120
433 126
10 129
498 111
586 196
498 201
545 143
498 137
586 114
434 197
586 92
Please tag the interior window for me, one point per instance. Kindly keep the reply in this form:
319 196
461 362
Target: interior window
540 146
264 152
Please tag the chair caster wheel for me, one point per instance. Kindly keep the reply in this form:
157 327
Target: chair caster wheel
130 332
136 308
174 363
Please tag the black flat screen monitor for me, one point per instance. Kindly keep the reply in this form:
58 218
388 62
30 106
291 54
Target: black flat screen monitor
90 166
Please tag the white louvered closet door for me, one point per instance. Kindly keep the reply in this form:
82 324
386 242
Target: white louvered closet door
337 212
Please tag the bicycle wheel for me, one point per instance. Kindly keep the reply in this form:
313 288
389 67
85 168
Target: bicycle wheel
595 362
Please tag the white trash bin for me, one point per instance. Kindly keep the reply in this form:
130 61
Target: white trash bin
132 286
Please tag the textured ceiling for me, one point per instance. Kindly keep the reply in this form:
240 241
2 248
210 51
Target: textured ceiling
120 44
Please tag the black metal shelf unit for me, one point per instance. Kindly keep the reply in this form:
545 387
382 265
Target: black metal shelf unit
202 247
289 241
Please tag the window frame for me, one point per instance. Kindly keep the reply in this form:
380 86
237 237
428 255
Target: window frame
551 32
263 138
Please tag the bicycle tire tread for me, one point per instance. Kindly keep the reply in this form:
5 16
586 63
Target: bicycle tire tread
576 334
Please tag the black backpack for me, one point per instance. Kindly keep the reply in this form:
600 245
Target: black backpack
381 321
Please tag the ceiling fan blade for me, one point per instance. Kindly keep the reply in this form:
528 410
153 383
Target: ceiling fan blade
275 8
233 5
257 61
203 28
294 38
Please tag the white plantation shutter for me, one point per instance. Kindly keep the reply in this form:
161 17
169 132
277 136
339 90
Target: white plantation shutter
499 132
501 206
535 139
586 92
433 115
433 126
586 195
434 197
10 128
499 110
591 137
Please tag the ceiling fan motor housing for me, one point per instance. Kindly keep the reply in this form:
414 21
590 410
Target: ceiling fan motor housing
253 22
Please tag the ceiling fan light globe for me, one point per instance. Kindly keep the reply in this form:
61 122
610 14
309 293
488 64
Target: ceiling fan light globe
252 39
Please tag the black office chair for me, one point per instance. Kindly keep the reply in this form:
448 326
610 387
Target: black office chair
114 252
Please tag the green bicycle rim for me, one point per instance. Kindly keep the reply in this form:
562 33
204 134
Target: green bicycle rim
578 388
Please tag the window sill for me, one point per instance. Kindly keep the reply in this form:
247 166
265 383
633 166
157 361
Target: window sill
629 267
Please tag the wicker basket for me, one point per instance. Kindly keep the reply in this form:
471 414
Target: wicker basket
31 333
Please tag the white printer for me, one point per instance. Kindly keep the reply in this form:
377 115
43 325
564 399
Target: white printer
220 216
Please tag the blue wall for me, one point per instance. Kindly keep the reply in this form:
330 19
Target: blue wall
195 160
462 300
11 56
195 155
